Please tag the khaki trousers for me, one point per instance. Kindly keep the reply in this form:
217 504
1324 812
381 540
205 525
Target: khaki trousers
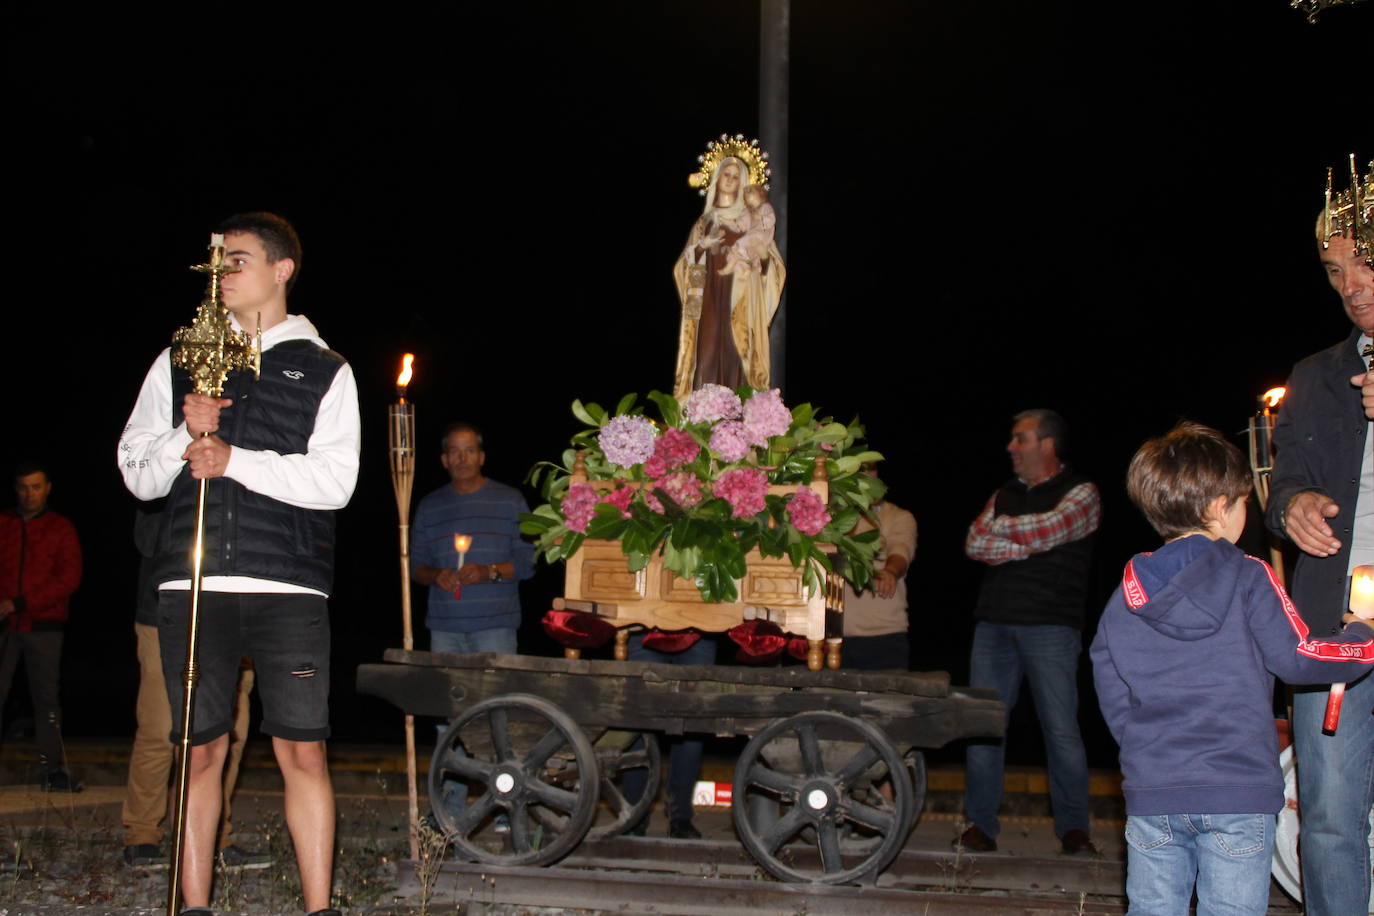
148 799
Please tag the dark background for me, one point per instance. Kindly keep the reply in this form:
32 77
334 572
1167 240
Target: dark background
1101 208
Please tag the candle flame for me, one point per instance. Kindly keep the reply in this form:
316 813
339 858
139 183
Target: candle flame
407 372
1273 396
461 542
1363 584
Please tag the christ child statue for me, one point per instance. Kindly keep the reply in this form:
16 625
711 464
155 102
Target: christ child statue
757 222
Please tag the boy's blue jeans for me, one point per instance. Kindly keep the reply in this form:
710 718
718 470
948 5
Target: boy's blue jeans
1228 856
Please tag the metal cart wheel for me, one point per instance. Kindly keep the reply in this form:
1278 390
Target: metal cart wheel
620 754
532 777
818 769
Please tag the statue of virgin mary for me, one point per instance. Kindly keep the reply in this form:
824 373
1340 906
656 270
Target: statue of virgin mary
726 311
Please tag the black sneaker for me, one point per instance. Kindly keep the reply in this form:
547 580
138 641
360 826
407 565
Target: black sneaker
683 830
144 855
58 781
236 858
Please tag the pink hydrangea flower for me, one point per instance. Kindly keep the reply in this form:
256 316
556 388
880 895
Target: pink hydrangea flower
765 416
806 512
728 440
672 449
682 488
744 489
579 506
627 440
710 403
620 498
653 502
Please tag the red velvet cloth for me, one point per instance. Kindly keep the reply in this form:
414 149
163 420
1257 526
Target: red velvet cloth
797 647
759 641
670 641
577 629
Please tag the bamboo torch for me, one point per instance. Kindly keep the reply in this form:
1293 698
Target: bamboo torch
1262 459
401 435
208 349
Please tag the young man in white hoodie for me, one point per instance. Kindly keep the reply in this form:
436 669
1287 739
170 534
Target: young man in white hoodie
280 453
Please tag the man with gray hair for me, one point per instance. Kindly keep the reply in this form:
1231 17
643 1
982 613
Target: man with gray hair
1322 499
1035 536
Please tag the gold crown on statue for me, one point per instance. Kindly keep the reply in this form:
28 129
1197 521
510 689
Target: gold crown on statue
717 151
1350 213
1313 7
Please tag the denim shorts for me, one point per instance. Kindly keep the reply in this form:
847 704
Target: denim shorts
286 636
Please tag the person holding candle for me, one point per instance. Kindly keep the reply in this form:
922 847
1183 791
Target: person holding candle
1322 499
1035 536
280 454
1184 662
474 603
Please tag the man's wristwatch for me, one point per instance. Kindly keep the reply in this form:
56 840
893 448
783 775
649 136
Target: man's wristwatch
493 573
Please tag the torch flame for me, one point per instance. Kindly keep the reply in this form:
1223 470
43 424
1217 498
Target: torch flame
1362 592
1273 396
461 542
403 379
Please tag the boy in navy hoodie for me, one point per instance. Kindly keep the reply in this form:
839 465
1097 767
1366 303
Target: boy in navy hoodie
1184 662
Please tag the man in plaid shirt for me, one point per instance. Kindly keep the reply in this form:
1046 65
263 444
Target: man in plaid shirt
1035 536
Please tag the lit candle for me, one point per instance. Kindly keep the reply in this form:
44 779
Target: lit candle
1362 592
217 240
461 543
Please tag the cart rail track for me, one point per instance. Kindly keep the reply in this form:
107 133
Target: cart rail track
631 875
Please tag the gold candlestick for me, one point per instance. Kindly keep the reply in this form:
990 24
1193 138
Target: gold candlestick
208 349
401 438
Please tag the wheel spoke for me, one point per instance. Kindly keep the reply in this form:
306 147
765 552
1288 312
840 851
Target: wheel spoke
768 778
500 734
542 750
784 829
473 815
456 764
519 827
612 796
875 819
829 843
550 819
632 760
810 749
554 797
857 765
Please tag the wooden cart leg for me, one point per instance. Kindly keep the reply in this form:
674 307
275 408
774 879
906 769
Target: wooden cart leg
832 654
570 652
815 654
622 644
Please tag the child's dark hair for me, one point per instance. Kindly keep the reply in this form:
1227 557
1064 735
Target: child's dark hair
1175 477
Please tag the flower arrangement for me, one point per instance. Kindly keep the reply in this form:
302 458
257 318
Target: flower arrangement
694 485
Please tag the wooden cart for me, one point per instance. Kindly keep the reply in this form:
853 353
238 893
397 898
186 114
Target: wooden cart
544 747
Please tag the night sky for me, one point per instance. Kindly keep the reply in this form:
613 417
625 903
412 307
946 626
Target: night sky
1101 208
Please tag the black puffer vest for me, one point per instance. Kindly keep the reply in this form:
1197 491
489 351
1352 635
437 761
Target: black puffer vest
247 534
1044 588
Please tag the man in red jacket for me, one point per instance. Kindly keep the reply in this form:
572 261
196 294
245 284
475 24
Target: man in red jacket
40 567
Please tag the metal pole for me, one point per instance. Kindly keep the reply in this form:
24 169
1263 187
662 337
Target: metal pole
191 675
775 29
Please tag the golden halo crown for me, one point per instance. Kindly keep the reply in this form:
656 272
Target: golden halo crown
717 151
1350 213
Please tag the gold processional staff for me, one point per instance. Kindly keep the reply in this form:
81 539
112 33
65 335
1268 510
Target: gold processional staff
209 349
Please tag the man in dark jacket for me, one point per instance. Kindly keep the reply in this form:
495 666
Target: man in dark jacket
1322 499
40 567
1035 537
